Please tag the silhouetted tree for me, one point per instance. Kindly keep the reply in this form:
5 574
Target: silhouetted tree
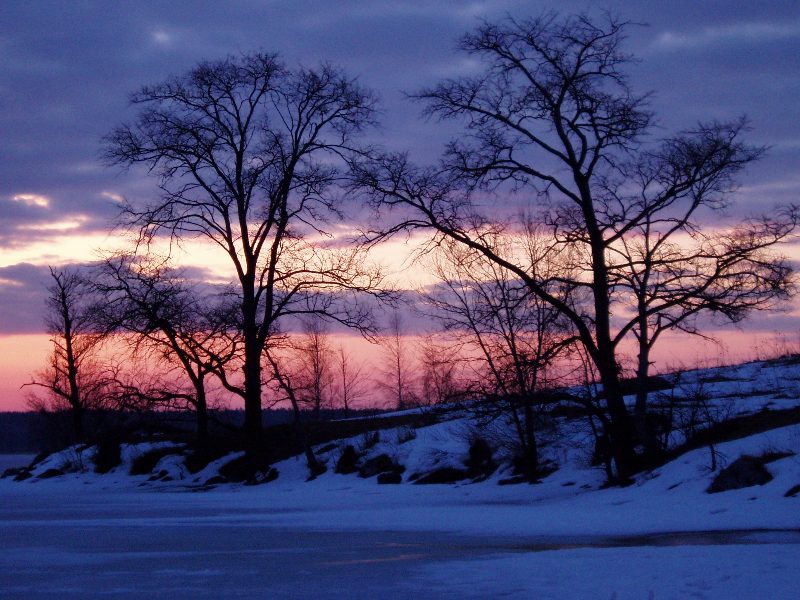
552 115
351 379
397 379
439 364
312 364
676 273
73 378
249 157
513 337
168 321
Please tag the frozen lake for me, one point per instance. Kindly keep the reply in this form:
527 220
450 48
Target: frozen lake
62 541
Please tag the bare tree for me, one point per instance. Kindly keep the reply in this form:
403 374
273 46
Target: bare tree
249 156
553 114
440 377
352 383
397 379
168 321
73 377
313 362
674 282
289 384
513 337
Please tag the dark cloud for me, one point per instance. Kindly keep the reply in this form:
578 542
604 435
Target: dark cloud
23 290
68 68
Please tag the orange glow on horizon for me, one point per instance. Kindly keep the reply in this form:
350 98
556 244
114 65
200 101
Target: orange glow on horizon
22 355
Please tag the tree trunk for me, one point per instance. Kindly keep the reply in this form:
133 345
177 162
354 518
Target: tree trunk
644 431
201 413
77 422
253 428
531 448
621 435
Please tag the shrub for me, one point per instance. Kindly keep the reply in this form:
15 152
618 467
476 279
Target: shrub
107 456
348 460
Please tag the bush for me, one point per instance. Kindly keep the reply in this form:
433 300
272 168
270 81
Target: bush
348 461
480 462
107 457
383 463
442 475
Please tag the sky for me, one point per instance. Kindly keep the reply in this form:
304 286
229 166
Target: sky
67 70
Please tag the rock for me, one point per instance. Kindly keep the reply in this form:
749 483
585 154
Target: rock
18 473
107 456
745 471
480 463
390 477
215 480
50 473
792 491
162 475
443 475
12 472
271 474
23 475
378 464
348 461
316 469
249 469
146 463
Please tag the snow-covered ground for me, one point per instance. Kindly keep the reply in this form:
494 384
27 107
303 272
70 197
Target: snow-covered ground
85 535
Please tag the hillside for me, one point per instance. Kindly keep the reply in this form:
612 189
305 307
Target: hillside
747 410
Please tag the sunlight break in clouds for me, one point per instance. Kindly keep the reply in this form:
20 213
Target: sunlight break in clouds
736 32
65 225
114 197
31 200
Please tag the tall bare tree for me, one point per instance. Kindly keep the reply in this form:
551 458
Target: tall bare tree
249 156
552 115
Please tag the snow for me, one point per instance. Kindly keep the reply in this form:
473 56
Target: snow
120 536
638 573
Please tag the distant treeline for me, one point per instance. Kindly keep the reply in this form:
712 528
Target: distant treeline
33 432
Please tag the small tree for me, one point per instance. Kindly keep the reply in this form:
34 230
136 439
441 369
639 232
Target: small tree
352 383
397 379
73 378
675 282
167 321
440 380
513 337
313 358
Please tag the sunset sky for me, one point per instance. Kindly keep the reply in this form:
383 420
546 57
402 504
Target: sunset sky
67 69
